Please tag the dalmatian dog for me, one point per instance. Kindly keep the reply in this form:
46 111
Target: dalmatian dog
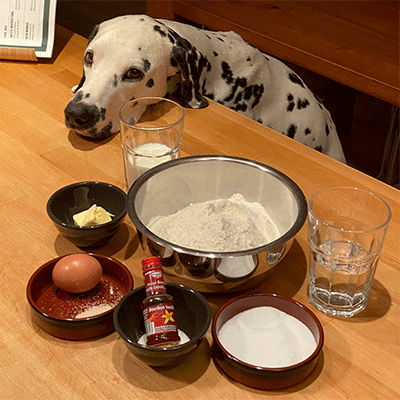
136 56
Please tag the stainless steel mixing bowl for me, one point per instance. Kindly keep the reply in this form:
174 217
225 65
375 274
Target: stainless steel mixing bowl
170 187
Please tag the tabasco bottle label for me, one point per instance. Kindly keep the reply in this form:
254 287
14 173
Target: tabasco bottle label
160 323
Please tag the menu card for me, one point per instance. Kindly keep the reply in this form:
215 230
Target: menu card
27 29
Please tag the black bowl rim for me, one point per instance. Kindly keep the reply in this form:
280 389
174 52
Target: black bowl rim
115 219
200 335
251 367
288 182
81 321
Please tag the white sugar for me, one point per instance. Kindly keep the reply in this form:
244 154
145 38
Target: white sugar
267 337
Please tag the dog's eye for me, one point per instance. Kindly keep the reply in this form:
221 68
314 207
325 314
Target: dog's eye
133 74
89 58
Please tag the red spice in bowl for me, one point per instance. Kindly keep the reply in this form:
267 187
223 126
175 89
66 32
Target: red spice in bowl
83 315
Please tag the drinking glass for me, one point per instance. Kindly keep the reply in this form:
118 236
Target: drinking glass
346 232
151 133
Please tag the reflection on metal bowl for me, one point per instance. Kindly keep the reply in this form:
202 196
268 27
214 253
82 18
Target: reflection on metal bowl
169 187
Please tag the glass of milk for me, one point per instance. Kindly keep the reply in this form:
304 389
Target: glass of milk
151 133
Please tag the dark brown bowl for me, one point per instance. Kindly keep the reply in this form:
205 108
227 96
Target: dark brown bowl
261 377
77 197
193 315
42 293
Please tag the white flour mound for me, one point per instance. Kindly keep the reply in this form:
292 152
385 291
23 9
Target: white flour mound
220 225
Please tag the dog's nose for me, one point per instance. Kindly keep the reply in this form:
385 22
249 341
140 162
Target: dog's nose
81 115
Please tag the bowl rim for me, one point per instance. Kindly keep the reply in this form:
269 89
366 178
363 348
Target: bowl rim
288 182
80 321
252 367
191 341
114 220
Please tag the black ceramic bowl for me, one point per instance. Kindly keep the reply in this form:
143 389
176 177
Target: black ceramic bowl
42 295
193 315
71 199
261 377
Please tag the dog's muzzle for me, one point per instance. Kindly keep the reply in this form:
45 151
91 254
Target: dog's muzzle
83 118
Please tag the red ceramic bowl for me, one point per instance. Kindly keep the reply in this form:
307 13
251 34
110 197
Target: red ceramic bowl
52 309
261 377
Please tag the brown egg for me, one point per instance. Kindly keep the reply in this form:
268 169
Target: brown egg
77 273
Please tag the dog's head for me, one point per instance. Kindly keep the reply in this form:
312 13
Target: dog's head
126 58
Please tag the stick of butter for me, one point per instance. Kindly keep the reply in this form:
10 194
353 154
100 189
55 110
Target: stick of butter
95 215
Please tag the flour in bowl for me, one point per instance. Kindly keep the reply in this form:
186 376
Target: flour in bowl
221 225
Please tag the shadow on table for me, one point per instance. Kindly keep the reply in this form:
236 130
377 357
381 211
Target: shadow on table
378 305
86 143
285 279
140 375
124 238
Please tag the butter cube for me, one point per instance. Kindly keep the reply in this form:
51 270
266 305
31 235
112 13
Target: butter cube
95 215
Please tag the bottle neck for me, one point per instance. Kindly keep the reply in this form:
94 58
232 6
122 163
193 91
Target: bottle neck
153 280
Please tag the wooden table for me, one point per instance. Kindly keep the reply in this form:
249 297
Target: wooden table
355 43
39 155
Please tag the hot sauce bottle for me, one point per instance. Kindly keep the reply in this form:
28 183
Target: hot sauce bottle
158 307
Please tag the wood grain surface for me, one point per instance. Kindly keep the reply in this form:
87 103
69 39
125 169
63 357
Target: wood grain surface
39 155
355 43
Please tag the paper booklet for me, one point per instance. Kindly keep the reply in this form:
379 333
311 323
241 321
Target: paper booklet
27 29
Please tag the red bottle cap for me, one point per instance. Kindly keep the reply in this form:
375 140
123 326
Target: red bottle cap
154 260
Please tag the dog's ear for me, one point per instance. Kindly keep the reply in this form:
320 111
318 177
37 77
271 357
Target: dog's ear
192 64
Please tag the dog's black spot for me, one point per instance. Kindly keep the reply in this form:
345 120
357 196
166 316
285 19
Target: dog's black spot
93 33
215 54
171 38
158 29
327 131
291 131
87 95
101 134
266 57
102 113
302 103
307 131
141 19
222 40
295 79
208 37
140 49
227 73
248 92
192 64
208 66
319 148
291 104
115 81
248 59
146 64
150 83
240 107
78 97
173 62
240 90
260 120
